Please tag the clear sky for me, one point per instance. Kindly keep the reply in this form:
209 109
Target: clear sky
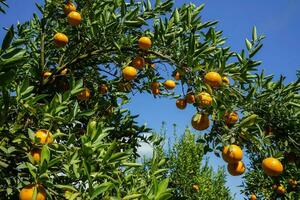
277 19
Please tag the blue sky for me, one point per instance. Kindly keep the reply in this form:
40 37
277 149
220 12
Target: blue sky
278 20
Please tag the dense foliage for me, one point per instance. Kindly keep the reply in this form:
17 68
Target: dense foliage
65 75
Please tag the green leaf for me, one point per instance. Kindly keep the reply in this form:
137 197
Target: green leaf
45 154
8 38
248 44
132 196
254 34
101 189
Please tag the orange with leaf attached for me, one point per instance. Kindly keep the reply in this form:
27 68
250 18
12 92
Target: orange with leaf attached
44 136
28 191
213 79
232 153
200 121
69 7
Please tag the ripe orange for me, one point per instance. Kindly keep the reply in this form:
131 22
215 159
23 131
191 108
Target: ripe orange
236 169
169 84
177 76
129 73
272 166
200 121
36 154
138 62
190 98
213 79
155 91
69 7
204 99
231 118
103 89
84 95
27 192
293 183
280 189
46 74
181 104
60 39
225 80
64 72
145 43
253 197
155 85
232 154
44 136
195 187
74 18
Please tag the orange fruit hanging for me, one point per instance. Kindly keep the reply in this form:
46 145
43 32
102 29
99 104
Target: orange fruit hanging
155 85
232 153
155 91
169 84
253 197
200 121
190 98
177 76
46 74
64 72
27 192
231 118
69 7
280 189
44 136
60 40
84 95
225 80
103 89
204 99
272 166
129 73
213 79
195 187
36 155
236 169
138 62
145 43
181 104
74 18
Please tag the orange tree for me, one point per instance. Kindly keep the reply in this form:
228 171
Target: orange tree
275 134
66 74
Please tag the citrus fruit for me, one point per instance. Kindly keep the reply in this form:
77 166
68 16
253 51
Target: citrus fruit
84 95
272 166
169 84
74 18
213 79
236 169
138 62
200 121
232 153
181 104
69 7
27 192
129 73
145 43
60 40
44 136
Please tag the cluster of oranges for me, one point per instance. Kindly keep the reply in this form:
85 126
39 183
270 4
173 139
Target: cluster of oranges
74 19
233 155
44 137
